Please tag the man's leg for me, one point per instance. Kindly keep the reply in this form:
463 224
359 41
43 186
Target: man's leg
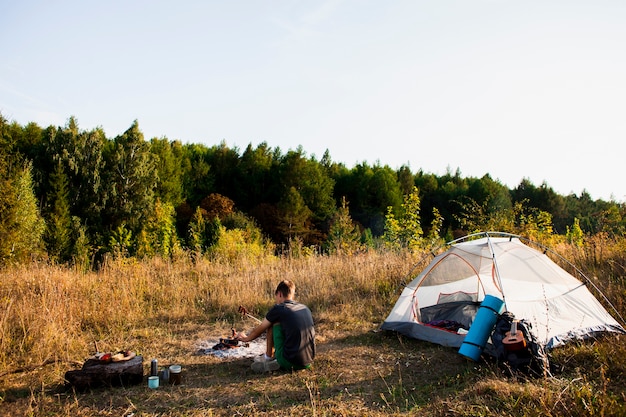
268 363
279 340
269 342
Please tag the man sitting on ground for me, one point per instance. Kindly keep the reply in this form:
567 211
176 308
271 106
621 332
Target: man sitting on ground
289 331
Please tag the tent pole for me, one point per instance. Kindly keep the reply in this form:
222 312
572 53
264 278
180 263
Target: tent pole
495 264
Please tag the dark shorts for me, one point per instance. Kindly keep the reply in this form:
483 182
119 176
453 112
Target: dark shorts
279 341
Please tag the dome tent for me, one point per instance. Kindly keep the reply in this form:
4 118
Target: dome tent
440 303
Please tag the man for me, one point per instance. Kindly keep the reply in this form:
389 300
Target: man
289 331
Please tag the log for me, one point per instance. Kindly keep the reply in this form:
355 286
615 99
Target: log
97 374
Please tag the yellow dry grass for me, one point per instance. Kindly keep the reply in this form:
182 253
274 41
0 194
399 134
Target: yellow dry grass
50 317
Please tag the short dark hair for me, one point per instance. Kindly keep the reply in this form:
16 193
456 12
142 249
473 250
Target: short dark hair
286 288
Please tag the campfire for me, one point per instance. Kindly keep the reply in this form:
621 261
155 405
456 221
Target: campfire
229 343
227 348
230 347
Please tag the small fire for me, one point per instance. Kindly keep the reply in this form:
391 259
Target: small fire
229 343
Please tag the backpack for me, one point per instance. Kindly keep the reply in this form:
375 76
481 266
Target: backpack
527 357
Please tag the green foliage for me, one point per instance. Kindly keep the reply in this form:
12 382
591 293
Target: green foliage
87 186
59 221
198 179
132 180
311 182
238 220
205 230
474 217
370 190
405 230
528 221
223 161
392 230
344 236
82 248
168 164
120 241
575 234
197 230
81 155
534 224
27 141
21 225
405 180
158 235
255 183
611 221
543 198
585 210
239 244
452 196
434 234
295 216
144 245
212 232
367 238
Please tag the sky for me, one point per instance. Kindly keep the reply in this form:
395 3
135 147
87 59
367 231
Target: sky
532 89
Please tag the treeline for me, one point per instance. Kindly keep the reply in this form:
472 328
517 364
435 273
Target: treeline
72 195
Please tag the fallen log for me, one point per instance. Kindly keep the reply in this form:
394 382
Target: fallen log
95 374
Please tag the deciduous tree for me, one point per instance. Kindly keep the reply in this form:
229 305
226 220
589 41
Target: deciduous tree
168 164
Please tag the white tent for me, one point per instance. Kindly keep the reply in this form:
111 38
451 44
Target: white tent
440 303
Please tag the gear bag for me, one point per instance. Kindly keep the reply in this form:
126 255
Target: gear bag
528 357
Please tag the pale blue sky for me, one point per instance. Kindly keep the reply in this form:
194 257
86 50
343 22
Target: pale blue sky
517 89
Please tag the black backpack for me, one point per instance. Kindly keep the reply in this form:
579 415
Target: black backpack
530 359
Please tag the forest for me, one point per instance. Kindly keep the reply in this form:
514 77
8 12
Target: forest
77 196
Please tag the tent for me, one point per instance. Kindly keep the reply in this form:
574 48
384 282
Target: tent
441 302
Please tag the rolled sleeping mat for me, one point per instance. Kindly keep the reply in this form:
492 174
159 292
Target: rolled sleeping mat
482 327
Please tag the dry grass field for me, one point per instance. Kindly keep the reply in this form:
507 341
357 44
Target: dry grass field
50 317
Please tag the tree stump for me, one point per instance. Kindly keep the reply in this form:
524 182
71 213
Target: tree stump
97 374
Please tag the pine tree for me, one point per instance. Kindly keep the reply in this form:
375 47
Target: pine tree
120 241
81 254
343 236
133 180
21 225
294 216
197 230
59 224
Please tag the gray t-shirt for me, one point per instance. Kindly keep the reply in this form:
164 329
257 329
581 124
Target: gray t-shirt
296 322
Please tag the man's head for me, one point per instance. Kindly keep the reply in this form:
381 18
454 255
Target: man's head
286 288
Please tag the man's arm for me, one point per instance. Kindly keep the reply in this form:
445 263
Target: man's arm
256 332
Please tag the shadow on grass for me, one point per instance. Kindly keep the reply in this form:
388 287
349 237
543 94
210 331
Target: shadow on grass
366 371
394 371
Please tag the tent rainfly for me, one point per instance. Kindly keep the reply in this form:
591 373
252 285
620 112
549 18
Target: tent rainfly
439 305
